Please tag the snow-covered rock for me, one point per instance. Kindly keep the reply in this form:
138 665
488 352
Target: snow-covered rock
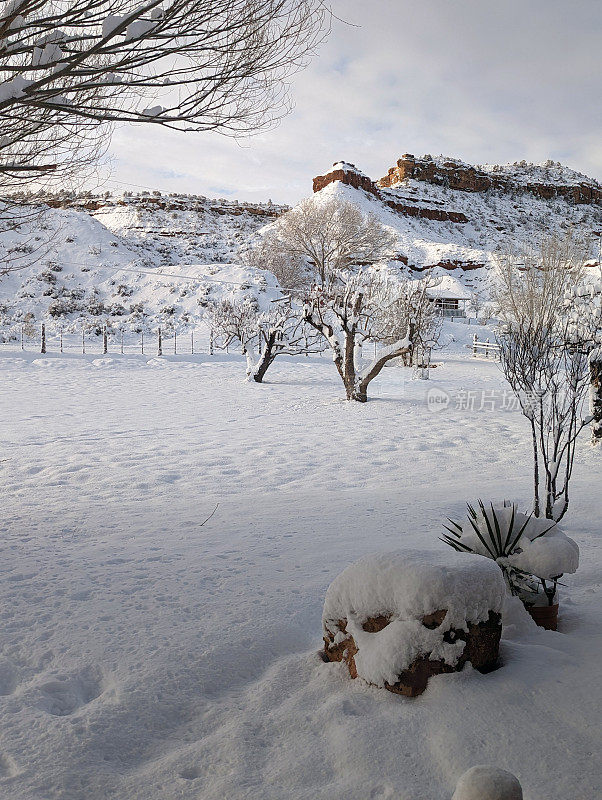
488 783
397 618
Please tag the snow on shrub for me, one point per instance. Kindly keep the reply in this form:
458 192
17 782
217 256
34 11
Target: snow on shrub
524 547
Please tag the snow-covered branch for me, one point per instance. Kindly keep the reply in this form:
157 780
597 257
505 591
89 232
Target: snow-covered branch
70 70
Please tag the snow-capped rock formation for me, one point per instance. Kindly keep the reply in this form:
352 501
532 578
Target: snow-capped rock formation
453 217
95 257
546 180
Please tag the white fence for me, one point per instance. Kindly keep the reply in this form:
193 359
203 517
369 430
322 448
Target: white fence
484 349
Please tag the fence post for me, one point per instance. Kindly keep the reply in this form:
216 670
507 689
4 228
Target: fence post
191 343
142 342
61 339
160 349
22 338
83 340
122 341
475 339
43 344
210 341
175 340
487 348
105 342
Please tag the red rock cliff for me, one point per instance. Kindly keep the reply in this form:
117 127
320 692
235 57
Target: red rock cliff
466 178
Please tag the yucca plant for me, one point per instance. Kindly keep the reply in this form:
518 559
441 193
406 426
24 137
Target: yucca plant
498 533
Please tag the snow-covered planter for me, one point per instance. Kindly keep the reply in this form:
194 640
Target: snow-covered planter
488 783
396 619
532 552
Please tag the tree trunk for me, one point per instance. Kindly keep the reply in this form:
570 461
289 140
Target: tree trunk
595 371
536 505
356 391
265 361
266 358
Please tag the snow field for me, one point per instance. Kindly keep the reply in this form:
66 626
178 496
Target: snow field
147 657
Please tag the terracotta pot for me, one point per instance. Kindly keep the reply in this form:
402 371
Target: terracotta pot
545 616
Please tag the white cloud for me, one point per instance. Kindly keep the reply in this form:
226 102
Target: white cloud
484 81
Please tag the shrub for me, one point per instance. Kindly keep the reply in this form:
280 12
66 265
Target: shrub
529 550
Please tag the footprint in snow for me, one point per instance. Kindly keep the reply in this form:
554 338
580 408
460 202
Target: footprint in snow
189 773
9 677
8 767
65 695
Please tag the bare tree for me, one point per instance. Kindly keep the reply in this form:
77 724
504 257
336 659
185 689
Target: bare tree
345 303
477 304
550 328
290 269
262 335
347 313
412 307
531 283
332 236
70 69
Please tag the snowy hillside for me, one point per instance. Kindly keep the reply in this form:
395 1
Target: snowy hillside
97 257
129 263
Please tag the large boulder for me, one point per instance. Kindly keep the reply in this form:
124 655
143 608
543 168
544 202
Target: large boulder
397 619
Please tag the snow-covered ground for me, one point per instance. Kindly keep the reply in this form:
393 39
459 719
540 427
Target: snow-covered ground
145 656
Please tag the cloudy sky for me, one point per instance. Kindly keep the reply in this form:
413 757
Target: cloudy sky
480 80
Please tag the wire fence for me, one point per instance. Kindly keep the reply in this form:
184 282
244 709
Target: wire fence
104 340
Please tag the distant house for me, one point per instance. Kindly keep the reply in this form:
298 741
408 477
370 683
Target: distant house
450 296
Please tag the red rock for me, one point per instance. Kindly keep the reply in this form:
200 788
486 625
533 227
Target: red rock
351 178
481 650
457 175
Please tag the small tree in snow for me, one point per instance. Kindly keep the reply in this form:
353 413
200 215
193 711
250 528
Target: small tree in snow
596 395
410 307
347 313
262 335
332 236
550 328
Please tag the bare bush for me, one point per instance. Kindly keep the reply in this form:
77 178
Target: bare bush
550 329
262 335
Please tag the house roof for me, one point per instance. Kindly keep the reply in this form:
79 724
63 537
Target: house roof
448 288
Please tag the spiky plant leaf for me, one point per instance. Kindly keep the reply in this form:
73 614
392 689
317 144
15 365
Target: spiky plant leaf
520 533
498 531
457 533
543 533
481 537
460 547
510 528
